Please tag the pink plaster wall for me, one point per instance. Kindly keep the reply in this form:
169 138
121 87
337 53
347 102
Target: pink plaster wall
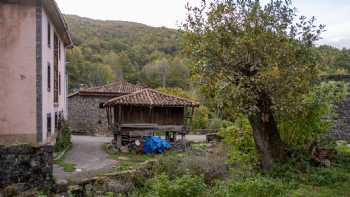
48 103
17 72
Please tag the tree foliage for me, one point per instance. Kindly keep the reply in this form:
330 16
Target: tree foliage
333 60
261 59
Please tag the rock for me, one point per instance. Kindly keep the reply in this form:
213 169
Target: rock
34 163
341 142
10 191
61 186
326 163
76 190
124 149
118 187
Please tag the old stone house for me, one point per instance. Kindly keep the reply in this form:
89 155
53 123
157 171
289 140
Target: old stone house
33 42
86 113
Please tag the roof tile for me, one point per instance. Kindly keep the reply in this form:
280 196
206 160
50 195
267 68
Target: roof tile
151 97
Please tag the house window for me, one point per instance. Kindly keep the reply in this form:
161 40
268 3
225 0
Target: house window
48 77
55 69
56 120
49 35
59 50
101 105
59 83
48 124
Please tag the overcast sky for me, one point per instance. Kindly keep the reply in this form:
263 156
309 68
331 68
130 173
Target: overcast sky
335 14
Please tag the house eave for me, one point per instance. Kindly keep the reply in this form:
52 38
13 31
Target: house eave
57 17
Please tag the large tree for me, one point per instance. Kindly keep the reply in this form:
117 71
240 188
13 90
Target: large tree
259 57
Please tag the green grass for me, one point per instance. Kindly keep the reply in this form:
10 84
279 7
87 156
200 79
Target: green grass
335 190
343 148
67 167
59 160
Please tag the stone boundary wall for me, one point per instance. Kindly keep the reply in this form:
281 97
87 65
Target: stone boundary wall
24 167
117 183
341 129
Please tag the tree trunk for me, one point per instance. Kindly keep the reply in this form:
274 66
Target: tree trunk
267 138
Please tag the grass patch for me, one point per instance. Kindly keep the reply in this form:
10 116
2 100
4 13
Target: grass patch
67 167
334 190
343 148
59 160
131 157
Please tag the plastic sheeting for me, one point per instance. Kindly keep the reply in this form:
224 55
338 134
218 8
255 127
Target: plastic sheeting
155 144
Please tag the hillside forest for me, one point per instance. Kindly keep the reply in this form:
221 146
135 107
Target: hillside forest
110 50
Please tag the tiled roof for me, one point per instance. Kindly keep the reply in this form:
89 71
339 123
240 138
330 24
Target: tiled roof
150 97
115 88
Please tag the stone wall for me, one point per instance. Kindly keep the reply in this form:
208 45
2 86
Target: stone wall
85 116
117 183
341 129
24 167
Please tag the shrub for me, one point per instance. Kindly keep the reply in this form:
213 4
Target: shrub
63 139
218 124
240 139
327 176
200 118
184 186
257 186
307 122
209 166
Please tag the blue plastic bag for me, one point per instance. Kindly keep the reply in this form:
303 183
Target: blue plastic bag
155 144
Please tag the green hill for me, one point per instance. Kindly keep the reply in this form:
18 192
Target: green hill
109 50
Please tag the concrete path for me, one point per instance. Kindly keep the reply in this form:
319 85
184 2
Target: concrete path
88 156
90 159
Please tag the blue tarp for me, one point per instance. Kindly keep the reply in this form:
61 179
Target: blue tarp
156 145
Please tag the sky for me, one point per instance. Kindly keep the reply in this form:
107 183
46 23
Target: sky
335 14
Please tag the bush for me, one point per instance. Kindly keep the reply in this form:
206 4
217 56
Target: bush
257 186
63 139
240 139
327 176
184 186
200 118
308 121
209 166
218 124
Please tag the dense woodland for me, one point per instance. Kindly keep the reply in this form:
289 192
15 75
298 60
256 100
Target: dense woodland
109 50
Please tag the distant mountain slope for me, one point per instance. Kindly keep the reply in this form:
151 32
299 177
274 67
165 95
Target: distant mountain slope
132 33
106 50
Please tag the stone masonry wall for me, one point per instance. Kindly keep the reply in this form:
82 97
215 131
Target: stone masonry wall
25 167
85 116
341 129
